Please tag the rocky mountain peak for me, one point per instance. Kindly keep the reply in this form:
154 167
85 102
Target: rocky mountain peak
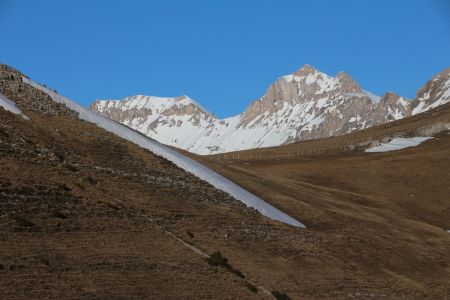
434 93
389 97
393 106
343 76
184 105
347 83
305 70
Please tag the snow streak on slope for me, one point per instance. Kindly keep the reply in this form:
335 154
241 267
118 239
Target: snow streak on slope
10 106
178 159
399 143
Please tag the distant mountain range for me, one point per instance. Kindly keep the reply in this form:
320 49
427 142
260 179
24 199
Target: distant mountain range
307 104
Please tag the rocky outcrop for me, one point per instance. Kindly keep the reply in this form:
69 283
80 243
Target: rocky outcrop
28 98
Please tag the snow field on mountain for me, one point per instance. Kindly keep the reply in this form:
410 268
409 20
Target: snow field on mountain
399 143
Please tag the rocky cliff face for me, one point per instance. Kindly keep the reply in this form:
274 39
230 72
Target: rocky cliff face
307 104
434 93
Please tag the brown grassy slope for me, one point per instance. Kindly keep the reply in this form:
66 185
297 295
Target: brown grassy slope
385 212
84 214
415 178
74 220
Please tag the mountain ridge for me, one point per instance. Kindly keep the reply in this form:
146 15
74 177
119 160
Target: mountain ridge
306 104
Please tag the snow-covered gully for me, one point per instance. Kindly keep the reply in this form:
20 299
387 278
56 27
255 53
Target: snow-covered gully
178 159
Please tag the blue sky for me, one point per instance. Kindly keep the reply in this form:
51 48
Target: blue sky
224 53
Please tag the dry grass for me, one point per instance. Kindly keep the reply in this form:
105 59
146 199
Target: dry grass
383 214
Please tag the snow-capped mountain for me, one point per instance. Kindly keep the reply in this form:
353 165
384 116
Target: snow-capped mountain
307 104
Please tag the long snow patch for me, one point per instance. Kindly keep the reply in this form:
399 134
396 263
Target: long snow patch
178 159
399 143
10 106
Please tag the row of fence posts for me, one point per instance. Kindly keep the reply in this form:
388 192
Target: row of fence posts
239 156
290 154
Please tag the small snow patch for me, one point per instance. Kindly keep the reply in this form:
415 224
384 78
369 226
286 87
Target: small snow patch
11 106
399 143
